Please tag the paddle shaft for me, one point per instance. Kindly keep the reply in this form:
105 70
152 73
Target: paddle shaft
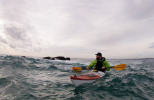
113 66
117 67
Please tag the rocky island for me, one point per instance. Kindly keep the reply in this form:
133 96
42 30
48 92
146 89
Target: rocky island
58 57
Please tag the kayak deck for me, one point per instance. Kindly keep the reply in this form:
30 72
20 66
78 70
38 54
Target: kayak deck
87 78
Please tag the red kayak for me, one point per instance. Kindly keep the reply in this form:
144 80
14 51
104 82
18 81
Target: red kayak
78 80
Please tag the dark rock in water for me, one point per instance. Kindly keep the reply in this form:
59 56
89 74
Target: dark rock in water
52 58
46 57
60 58
67 58
23 56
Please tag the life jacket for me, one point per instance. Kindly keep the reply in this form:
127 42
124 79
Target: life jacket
99 64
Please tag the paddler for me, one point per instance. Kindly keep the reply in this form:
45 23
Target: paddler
100 64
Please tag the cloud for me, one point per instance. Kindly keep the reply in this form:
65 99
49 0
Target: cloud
13 11
152 46
16 37
2 39
19 34
77 27
139 9
15 33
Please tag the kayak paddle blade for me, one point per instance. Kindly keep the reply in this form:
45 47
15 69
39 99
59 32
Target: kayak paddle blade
77 69
120 67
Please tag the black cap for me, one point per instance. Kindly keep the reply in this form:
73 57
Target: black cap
99 54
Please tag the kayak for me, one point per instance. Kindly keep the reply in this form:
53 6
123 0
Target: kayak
87 78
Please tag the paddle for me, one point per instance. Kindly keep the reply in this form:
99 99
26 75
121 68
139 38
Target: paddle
78 69
117 67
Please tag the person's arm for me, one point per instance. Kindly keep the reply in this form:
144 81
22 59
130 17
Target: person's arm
91 64
106 65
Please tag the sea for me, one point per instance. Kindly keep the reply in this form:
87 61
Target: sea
33 78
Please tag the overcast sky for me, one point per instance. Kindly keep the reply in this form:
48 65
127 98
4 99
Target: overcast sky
77 28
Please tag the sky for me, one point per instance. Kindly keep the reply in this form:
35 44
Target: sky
77 28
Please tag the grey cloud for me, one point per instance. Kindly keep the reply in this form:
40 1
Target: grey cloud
86 22
13 10
129 30
126 36
85 17
99 23
139 9
15 33
20 34
2 39
152 45
16 37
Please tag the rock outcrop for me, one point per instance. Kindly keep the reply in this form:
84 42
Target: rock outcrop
58 57
46 57
67 58
52 59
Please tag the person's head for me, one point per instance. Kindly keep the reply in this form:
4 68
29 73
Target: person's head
98 55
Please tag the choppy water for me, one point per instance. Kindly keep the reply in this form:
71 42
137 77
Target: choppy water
38 79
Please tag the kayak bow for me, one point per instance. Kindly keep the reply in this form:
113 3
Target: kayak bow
87 78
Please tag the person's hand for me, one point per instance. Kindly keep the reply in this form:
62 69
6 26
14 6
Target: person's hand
87 68
103 67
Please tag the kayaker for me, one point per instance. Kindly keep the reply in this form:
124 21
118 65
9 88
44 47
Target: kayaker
100 64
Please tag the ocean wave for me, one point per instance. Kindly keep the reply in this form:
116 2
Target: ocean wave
36 78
